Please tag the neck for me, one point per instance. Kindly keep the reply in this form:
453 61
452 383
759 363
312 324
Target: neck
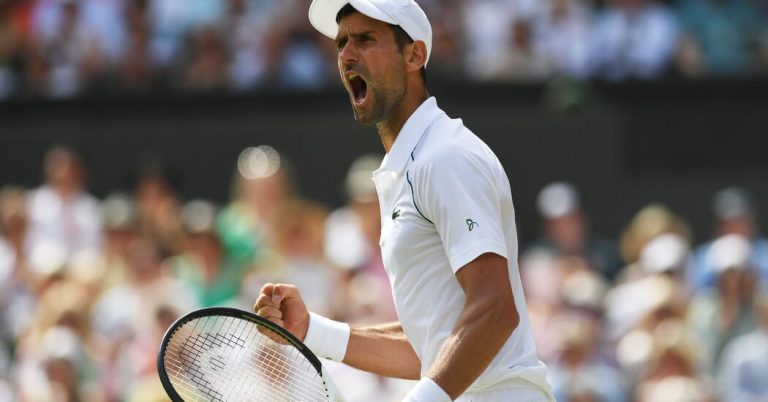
390 127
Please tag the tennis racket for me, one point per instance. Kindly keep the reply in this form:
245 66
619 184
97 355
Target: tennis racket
224 354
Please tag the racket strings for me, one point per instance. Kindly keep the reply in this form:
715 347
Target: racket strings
272 372
275 368
227 358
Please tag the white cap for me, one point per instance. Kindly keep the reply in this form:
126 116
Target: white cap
729 251
557 200
664 252
405 13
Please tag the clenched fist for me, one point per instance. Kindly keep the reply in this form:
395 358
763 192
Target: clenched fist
282 305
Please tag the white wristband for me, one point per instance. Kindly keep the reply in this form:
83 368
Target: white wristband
327 338
427 390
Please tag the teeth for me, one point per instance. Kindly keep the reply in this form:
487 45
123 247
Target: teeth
353 76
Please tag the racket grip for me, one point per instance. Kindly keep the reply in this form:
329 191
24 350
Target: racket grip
327 338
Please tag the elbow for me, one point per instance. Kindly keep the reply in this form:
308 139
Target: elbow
508 319
503 317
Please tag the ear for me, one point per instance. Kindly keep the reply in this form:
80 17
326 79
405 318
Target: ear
416 56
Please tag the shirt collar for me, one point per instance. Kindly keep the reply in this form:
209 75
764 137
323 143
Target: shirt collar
410 135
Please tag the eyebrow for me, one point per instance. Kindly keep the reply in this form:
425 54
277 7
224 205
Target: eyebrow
342 39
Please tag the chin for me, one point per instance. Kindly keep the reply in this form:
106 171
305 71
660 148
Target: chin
363 119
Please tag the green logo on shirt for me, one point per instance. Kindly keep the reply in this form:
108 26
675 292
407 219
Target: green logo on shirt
395 214
472 224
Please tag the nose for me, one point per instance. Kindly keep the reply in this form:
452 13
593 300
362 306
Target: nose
347 56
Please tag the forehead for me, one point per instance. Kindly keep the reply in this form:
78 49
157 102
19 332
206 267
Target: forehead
359 22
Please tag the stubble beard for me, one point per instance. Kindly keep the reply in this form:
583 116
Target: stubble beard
384 104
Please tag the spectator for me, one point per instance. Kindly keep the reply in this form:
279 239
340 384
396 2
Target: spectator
744 363
247 25
303 64
721 35
486 43
651 221
736 214
66 48
352 244
13 222
262 188
157 204
138 70
147 386
667 253
206 69
583 369
12 37
447 34
563 36
671 375
122 312
762 49
202 266
120 227
300 238
717 316
542 275
54 360
80 39
61 213
633 39
352 231
579 374
566 230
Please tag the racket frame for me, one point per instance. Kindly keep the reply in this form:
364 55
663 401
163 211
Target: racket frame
228 312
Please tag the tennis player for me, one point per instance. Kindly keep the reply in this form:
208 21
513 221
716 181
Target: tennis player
448 236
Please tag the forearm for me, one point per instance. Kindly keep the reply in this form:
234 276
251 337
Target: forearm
479 334
382 349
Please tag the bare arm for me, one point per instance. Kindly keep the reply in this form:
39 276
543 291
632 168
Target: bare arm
381 349
487 320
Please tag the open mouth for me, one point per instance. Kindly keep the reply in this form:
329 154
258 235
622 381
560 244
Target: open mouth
359 88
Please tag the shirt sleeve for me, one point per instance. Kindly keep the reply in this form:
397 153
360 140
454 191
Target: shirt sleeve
459 192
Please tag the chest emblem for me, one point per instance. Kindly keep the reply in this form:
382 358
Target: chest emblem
472 224
395 214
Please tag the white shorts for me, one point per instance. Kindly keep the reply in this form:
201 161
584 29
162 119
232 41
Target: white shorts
506 394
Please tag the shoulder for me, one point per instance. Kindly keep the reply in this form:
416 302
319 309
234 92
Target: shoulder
451 146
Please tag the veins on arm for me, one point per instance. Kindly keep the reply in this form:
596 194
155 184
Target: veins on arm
487 320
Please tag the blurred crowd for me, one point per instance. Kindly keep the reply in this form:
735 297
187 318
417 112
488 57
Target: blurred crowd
66 48
88 286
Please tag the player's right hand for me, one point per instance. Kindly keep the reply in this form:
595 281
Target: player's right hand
282 304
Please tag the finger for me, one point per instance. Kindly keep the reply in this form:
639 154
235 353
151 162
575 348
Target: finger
263 300
282 292
278 322
267 289
270 313
272 334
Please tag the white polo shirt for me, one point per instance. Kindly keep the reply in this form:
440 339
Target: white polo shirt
445 200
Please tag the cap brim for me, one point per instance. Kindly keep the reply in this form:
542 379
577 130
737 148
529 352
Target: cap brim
322 14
